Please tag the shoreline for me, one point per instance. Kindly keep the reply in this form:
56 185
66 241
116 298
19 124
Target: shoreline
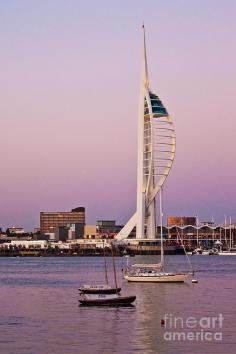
83 253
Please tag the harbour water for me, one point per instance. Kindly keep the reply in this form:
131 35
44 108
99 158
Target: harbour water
40 314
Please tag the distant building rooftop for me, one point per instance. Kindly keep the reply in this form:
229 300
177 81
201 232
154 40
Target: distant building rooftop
16 230
106 223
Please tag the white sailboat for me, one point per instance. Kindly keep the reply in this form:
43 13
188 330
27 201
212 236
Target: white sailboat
231 252
155 273
152 274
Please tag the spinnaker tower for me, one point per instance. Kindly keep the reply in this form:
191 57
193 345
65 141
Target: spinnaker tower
156 152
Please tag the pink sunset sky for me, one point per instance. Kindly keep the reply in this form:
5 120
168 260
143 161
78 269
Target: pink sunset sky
70 73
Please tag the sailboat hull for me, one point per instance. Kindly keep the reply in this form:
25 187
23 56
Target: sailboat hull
108 301
158 278
225 253
99 290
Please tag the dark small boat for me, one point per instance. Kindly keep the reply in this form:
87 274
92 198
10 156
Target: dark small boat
104 295
98 289
103 300
101 288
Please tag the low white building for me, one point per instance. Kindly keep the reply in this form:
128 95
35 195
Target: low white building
98 243
40 244
60 245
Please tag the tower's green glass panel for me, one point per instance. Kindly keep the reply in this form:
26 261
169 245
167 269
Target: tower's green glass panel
158 108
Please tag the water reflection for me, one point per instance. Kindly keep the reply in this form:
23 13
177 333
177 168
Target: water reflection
39 310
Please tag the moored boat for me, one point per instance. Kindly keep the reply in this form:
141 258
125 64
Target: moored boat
106 300
98 289
155 273
227 253
101 288
204 252
151 274
104 295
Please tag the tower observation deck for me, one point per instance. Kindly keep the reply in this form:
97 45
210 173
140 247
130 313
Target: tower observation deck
156 152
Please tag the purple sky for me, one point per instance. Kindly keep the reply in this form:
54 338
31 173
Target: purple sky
69 83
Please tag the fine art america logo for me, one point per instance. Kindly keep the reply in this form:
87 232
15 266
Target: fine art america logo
192 329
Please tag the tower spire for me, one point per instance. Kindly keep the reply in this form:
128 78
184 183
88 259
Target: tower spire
145 79
156 151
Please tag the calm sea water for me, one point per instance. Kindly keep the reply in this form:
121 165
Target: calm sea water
39 310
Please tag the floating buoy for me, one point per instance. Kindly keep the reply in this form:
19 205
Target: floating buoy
194 281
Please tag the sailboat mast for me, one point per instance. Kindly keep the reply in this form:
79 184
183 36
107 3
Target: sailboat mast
161 226
105 263
213 230
197 231
226 243
114 267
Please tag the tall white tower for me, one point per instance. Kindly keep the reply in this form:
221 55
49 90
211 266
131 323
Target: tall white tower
156 151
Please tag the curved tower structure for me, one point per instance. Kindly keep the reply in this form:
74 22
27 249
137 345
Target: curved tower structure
156 151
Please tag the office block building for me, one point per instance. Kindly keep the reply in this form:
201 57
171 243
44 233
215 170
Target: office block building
51 221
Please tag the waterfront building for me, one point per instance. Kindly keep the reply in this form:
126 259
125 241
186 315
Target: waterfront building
200 235
91 243
181 220
207 223
75 231
106 223
61 233
156 151
15 230
29 244
68 232
50 221
90 231
108 228
103 229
